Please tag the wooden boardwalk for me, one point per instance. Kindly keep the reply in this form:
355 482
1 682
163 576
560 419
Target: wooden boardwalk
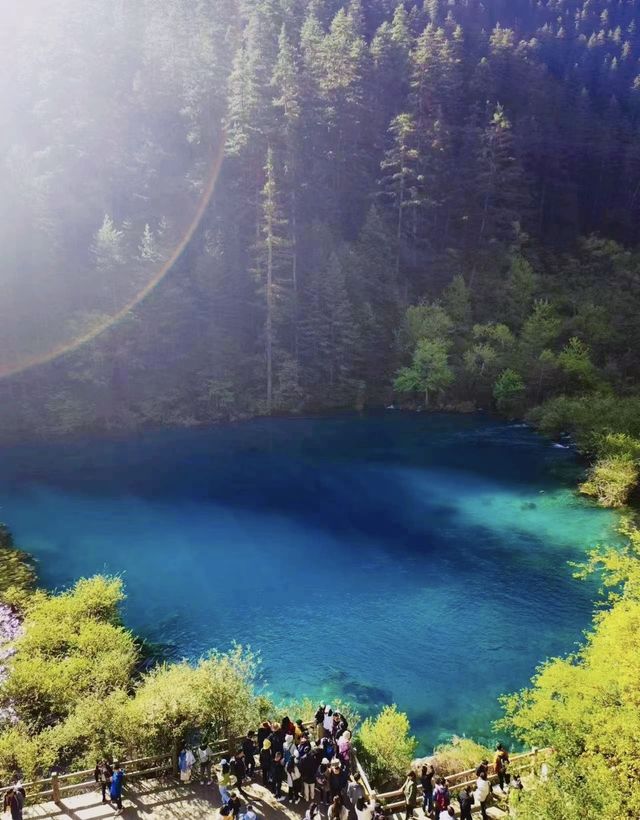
163 799
151 794
166 799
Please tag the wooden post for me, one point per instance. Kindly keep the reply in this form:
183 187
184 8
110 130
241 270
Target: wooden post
174 760
55 787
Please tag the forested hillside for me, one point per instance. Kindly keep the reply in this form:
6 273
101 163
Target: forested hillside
374 156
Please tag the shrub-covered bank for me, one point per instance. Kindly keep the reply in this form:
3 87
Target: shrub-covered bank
524 342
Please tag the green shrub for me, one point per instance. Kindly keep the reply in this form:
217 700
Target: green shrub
459 755
17 570
586 706
215 696
73 646
611 480
508 391
73 690
385 746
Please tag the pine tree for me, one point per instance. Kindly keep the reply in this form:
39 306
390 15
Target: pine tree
288 104
328 332
389 81
401 181
375 294
500 182
271 262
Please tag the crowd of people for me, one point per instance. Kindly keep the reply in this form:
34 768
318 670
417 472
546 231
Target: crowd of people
315 765
295 763
436 795
312 764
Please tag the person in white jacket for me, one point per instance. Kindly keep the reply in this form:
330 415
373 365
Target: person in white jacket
482 792
186 760
294 781
205 757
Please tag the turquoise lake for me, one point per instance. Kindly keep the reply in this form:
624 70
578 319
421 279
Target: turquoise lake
421 560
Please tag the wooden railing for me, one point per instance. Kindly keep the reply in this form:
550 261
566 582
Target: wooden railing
518 764
57 786
61 785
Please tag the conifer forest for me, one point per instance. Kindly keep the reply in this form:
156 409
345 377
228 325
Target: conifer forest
249 207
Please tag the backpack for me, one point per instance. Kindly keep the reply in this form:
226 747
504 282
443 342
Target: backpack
442 798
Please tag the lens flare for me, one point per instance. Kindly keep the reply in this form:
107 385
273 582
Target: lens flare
109 322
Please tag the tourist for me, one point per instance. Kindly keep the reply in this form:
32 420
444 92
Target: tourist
225 780
289 748
277 776
277 739
483 767
205 758
328 749
14 801
441 796
293 780
322 780
263 733
250 751
115 790
299 731
327 721
266 758
102 774
410 791
337 811
344 749
238 768
308 765
312 813
336 780
447 813
515 795
304 746
286 724
249 814
363 810
339 725
186 760
234 805
426 779
319 720
500 765
482 792
465 799
354 789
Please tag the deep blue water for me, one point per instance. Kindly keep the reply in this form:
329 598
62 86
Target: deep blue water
395 557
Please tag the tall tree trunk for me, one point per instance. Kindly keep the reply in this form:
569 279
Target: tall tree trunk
294 267
400 221
269 324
